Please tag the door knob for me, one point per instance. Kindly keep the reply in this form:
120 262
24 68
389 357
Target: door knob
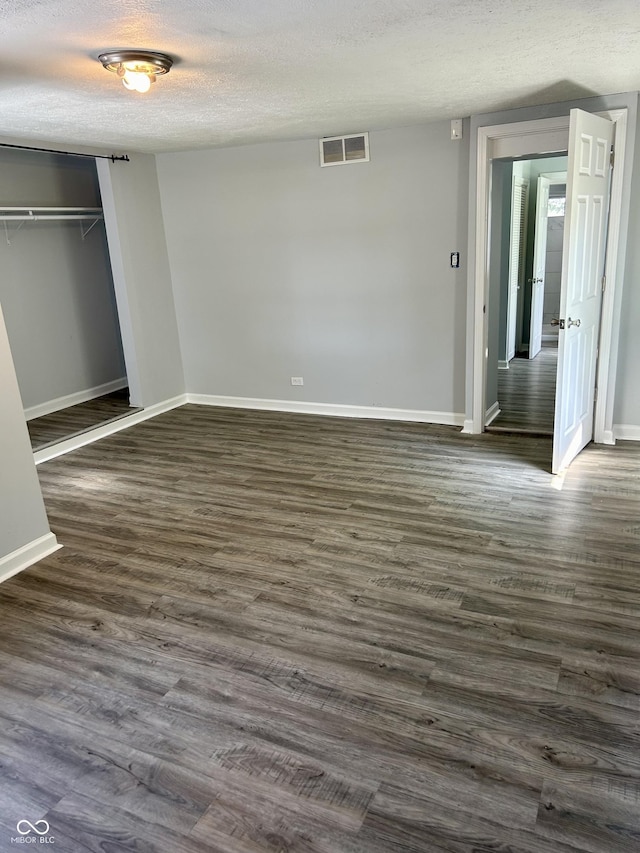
561 323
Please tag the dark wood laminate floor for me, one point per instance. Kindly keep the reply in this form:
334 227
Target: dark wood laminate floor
276 633
527 394
65 423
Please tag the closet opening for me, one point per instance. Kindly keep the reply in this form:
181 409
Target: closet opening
57 295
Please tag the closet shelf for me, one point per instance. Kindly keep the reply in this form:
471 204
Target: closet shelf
26 213
33 214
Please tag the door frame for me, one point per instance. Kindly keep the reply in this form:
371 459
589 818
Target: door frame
531 138
513 331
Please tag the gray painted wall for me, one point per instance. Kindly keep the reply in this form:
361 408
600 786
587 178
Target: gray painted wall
142 279
55 288
501 219
22 514
498 273
627 397
340 275
57 295
46 180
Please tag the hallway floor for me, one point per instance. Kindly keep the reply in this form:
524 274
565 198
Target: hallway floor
526 393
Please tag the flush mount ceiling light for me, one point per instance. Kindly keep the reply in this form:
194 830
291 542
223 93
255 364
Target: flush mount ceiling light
137 69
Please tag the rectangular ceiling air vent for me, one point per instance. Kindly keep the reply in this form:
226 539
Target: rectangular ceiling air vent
338 150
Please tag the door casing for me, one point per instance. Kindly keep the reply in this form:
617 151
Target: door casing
531 138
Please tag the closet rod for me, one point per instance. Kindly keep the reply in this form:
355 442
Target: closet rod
33 214
113 157
37 217
50 208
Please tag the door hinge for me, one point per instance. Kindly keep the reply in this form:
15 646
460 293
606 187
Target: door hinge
612 157
604 283
595 394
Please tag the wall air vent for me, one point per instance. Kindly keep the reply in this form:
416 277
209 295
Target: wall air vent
339 150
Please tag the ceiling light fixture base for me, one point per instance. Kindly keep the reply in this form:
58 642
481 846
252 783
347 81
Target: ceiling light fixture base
137 69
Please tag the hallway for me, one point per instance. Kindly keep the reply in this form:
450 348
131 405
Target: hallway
526 393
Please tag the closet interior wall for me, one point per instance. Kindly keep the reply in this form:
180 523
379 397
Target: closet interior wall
56 288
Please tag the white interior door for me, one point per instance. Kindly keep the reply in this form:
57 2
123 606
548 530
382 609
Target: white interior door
539 265
517 245
583 259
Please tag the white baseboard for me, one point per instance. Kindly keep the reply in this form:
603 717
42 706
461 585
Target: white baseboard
503 365
467 427
608 437
492 413
626 432
73 399
96 434
26 556
333 409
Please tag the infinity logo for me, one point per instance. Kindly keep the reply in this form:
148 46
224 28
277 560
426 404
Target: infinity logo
33 827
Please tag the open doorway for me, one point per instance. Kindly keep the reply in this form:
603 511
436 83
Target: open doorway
525 269
591 276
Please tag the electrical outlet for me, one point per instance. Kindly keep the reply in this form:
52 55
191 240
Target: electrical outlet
297 380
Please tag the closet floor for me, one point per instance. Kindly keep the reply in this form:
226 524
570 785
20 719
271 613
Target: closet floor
66 423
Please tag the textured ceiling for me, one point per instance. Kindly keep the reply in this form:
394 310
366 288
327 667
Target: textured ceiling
255 70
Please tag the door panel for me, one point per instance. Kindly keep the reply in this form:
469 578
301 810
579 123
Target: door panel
590 140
